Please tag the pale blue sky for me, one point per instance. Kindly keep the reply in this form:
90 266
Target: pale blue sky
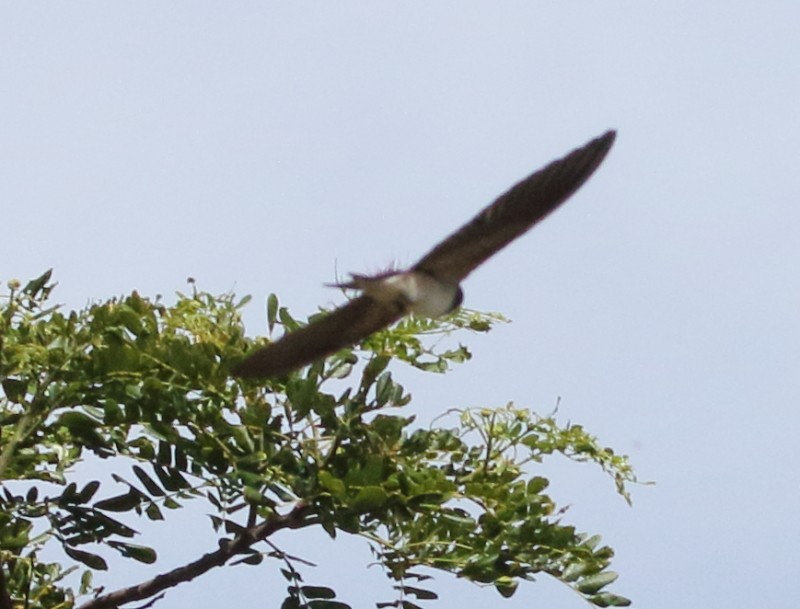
259 146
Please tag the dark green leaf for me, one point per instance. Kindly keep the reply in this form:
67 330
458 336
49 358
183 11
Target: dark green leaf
68 495
88 491
120 503
35 286
164 453
148 482
32 495
93 561
181 461
171 504
171 478
319 604
254 558
420 593
291 602
153 513
317 592
15 389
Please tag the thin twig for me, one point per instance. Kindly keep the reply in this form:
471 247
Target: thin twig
152 601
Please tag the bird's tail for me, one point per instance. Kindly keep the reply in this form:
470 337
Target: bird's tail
359 281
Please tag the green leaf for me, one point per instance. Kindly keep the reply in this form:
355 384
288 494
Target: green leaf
374 367
171 504
181 461
272 311
370 498
333 485
153 513
384 389
287 320
16 535
139 553
86 582
171 478
164 453
575 570
68 495
93 561
120 503
255 497
291 602
606 599
594 583
88 491
15 389
420 593
148 482
36 286
536 485
32 495
252 558
506 586
320 604
317 592
78 422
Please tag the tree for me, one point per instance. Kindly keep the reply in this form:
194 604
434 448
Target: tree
146 385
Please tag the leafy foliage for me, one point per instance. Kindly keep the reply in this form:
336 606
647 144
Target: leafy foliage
147 385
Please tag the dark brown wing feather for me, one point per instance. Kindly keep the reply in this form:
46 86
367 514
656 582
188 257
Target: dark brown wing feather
514 212
345 326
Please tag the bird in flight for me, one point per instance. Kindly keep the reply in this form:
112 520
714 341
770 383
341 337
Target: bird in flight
431 287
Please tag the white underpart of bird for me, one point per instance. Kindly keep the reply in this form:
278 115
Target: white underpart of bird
415 292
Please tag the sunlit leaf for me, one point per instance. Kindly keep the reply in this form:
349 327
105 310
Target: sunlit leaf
139 553
594 583
370 498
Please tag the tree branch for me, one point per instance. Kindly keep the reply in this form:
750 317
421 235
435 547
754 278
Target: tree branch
248 537
5 597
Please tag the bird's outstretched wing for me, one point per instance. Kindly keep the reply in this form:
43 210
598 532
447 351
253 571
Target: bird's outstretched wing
514 213
345 326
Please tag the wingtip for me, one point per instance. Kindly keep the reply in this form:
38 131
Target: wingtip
250 369
609 137
243 371
600 146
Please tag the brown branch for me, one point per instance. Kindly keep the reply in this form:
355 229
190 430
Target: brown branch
5 597
245 539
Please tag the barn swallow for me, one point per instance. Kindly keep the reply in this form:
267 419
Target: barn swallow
431 288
